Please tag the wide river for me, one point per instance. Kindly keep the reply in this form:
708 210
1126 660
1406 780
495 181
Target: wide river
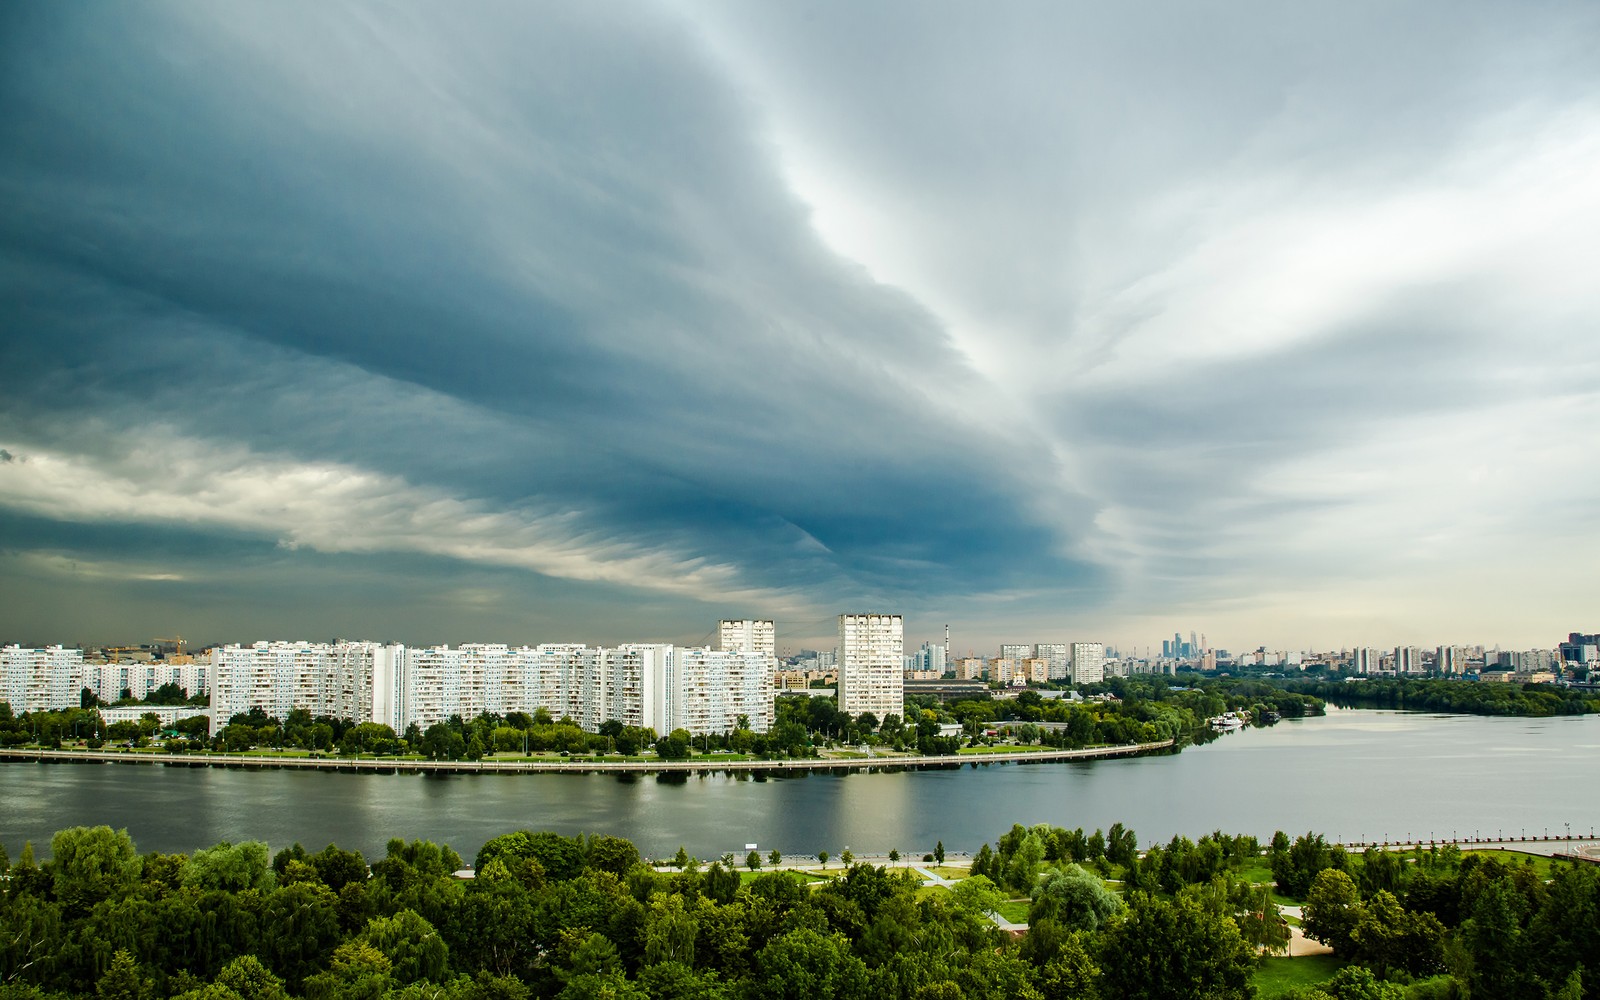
1352 775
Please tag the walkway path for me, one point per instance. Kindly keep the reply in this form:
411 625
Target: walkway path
526 766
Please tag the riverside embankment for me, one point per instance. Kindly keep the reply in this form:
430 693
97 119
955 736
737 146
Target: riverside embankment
524 765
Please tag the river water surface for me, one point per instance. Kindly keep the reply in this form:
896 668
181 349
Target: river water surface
1352 775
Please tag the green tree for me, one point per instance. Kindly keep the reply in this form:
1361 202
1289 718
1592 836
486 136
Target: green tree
91 864
33 933
753 861
229 867
976 895
611 854
122 980
674 745
1332 910
806 965
414 949
248 979
358 971
1174 950
669 932
1355 982
1074 899
1388 937
299 928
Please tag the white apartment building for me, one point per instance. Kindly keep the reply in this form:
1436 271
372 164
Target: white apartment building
109 680
1407 660
1059 657
1088 662
1016 651
40 680
870 669
656 686
1366 660
353 680
53 677
747 635
712 688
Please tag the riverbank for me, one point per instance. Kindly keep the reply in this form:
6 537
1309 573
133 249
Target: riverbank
588 766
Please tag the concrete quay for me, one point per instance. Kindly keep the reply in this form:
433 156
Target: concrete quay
526 766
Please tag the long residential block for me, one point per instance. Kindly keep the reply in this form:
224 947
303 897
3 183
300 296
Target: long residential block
657 686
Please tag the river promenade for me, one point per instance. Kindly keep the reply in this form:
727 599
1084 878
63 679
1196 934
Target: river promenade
585 766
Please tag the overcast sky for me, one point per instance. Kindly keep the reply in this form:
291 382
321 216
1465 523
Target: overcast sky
593 322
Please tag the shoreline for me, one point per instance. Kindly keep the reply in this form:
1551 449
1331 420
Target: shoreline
41 756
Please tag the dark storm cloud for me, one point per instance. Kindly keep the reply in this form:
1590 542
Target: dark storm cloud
535 258
705 308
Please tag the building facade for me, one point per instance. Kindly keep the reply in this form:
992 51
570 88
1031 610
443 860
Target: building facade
1059 656
42 679
655 686
1016 651
747 635
871 677
1088 662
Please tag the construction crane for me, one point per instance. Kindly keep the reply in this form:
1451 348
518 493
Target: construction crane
115 652
177 642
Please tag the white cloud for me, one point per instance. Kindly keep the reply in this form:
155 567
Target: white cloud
163 479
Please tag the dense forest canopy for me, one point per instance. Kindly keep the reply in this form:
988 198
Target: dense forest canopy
571 917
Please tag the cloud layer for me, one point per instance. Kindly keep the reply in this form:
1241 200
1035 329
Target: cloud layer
1049 323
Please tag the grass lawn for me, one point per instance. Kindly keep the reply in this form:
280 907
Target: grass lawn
1258 872
1000 748
1541 864
948 871
1278 975
1015 910
747 876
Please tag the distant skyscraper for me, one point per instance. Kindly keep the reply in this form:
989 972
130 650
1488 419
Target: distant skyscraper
747 635
1447 659
930 658
1407 660
870 670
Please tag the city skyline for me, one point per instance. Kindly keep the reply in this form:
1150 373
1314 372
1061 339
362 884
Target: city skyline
1049 324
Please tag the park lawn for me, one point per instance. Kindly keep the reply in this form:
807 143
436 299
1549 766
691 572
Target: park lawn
1279 975
1258 873
746 876
1541 864
1015 910
948 871
1000 748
